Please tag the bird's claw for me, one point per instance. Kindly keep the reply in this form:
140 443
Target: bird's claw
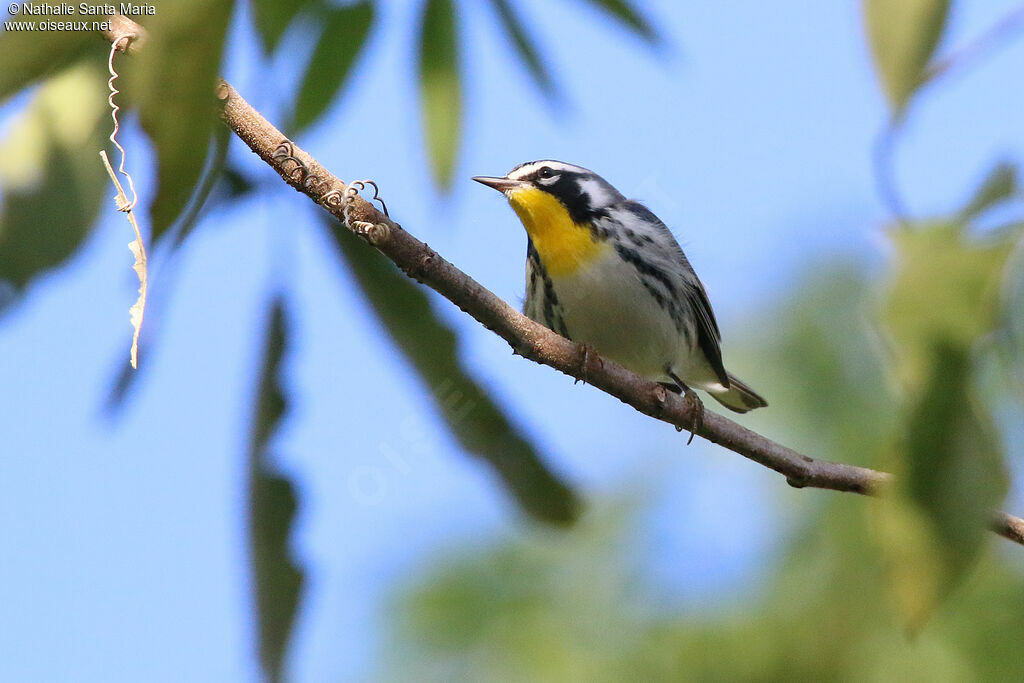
584 364
696 407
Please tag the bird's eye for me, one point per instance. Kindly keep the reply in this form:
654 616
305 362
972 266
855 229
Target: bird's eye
545 172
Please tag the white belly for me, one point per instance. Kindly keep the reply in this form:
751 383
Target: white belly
606 307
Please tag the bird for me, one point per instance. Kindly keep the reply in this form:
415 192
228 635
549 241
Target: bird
605 272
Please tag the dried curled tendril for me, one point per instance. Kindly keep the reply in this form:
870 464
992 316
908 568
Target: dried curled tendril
122 206
293 169
361 184
284 154
375 232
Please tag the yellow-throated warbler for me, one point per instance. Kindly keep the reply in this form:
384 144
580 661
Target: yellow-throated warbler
604 271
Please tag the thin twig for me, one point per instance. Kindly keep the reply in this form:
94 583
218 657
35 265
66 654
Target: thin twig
884 151
1008 526
884 159
987 41
530 339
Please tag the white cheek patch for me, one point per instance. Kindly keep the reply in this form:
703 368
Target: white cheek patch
598 193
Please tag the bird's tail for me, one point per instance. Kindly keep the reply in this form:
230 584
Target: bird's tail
739 397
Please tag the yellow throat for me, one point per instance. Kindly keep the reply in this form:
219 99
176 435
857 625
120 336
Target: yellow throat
563 244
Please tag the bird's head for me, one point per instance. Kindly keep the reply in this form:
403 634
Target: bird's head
529 187
558 204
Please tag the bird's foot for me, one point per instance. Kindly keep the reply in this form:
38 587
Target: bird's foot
696 408
584 365
693 403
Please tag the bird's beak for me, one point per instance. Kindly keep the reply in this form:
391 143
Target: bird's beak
499 184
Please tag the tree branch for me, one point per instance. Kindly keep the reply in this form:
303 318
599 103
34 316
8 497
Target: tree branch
528 338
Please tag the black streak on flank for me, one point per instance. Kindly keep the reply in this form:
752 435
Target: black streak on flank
552 316
668 300
644 268
673 308
637 239
535 268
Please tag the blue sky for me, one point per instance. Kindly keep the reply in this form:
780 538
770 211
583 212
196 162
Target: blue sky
750 134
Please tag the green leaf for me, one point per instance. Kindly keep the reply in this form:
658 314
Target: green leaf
524 46
955 467
472 416
28 56
1010 346
54 182
946 290
125 379
628 16
951 478
277 581
173 80
273 17
945 298
236 184
344 36
999 185
213 172
440 88
903 35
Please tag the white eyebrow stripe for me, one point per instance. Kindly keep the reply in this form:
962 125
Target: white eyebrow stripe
532 167
561 166
522 172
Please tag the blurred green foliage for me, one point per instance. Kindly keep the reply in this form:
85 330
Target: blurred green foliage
946 292
539 608
180 64
533 610
440 86
29 56
46 148
277 581
1000 185
903 36
945 298
345 32
274 18
524 45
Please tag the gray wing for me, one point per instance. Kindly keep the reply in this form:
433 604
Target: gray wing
645 231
